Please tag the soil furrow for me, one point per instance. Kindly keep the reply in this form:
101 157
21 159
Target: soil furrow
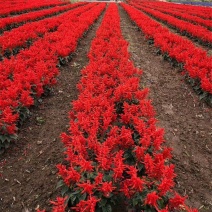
28 169
187 121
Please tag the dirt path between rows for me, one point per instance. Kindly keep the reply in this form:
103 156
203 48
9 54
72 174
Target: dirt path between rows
187 121
28 169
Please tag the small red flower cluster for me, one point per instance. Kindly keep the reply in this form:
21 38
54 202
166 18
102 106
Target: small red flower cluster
196 61
24 77
114 148
16 6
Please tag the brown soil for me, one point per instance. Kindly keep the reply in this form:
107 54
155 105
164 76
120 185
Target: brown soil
28 169
187 121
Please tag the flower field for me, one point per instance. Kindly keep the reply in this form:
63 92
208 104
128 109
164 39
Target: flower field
105 106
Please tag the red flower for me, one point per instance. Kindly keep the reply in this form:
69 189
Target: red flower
139 152
176 202
98 179
152 199
85 165
165 186
87 187
137 184
125 188
69 175
119 165
59 204
86 205
149 164
107 188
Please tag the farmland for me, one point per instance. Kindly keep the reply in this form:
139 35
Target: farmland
105 106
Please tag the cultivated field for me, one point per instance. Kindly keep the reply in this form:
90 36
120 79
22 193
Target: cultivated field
105 106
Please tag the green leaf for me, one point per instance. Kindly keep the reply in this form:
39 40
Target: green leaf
107 178
3 138
161 203
64 190
134 201
60 184
83 197
73 198
107 208
103 202
203 95
140 167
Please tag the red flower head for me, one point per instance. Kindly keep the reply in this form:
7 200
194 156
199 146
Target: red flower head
87 187
152 199
177 201
59 204
107 188
86 205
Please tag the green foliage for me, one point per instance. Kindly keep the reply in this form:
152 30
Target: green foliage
5 141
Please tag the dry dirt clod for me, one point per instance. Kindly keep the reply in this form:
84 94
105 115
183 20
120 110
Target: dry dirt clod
39 142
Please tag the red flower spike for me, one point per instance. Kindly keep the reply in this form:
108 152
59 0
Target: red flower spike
86 205
87 187
176 202
107 188
59 204
152 199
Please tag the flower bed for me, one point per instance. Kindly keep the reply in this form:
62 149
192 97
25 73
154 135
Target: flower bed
199 11
24 77
183 15
27 6
195 61
11 22
184 27
113 149
21 37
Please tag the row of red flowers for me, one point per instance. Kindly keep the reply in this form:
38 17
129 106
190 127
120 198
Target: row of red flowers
182 15
200 11
9 22
15 7
25 76
114 149
196 61
196 31
19 37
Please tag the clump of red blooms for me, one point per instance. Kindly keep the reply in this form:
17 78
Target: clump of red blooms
114 149
24 77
